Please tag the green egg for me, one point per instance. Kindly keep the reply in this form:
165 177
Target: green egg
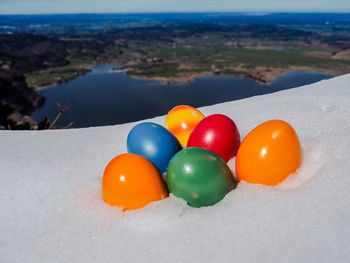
199 176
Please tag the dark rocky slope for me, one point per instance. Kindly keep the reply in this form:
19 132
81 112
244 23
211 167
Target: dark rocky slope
17 100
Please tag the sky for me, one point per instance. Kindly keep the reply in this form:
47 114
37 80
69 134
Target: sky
145 6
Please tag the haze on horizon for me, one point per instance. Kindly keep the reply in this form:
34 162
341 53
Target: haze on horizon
143 6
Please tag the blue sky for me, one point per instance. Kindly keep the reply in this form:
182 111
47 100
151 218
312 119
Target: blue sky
139 6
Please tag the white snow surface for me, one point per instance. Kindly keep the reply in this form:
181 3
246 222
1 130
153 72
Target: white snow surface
52 209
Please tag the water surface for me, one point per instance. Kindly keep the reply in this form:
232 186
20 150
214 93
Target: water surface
103 97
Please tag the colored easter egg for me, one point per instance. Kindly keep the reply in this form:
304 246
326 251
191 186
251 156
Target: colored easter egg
153 142
199 176
217 133
268 154
181 121
131 181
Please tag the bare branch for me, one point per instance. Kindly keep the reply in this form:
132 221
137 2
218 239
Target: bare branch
61 110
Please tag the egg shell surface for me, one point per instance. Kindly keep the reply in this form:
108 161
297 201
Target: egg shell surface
131 181
199 176
181 120
268 154
153 142
217 133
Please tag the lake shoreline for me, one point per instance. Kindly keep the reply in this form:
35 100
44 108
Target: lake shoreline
83 70
106 98
260 75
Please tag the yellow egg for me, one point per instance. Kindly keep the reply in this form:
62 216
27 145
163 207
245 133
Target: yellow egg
181 121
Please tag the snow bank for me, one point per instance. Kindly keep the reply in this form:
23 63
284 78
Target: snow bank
52 210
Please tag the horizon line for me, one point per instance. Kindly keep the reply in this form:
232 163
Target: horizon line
182 12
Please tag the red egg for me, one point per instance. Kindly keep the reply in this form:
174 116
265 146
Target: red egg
217 133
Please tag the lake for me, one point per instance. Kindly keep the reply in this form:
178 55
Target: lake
103 97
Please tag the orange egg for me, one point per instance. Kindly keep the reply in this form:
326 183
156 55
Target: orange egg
268 154
181 121
131 181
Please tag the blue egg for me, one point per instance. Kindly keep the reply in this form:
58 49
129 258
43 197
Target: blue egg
153 142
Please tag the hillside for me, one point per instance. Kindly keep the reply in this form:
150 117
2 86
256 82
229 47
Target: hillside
17 101
52 210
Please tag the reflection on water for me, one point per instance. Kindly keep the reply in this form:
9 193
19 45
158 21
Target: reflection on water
103 97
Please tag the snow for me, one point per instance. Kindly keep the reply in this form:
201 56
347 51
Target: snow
52 209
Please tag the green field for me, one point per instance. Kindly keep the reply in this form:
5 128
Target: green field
52 76
227 55
217 52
